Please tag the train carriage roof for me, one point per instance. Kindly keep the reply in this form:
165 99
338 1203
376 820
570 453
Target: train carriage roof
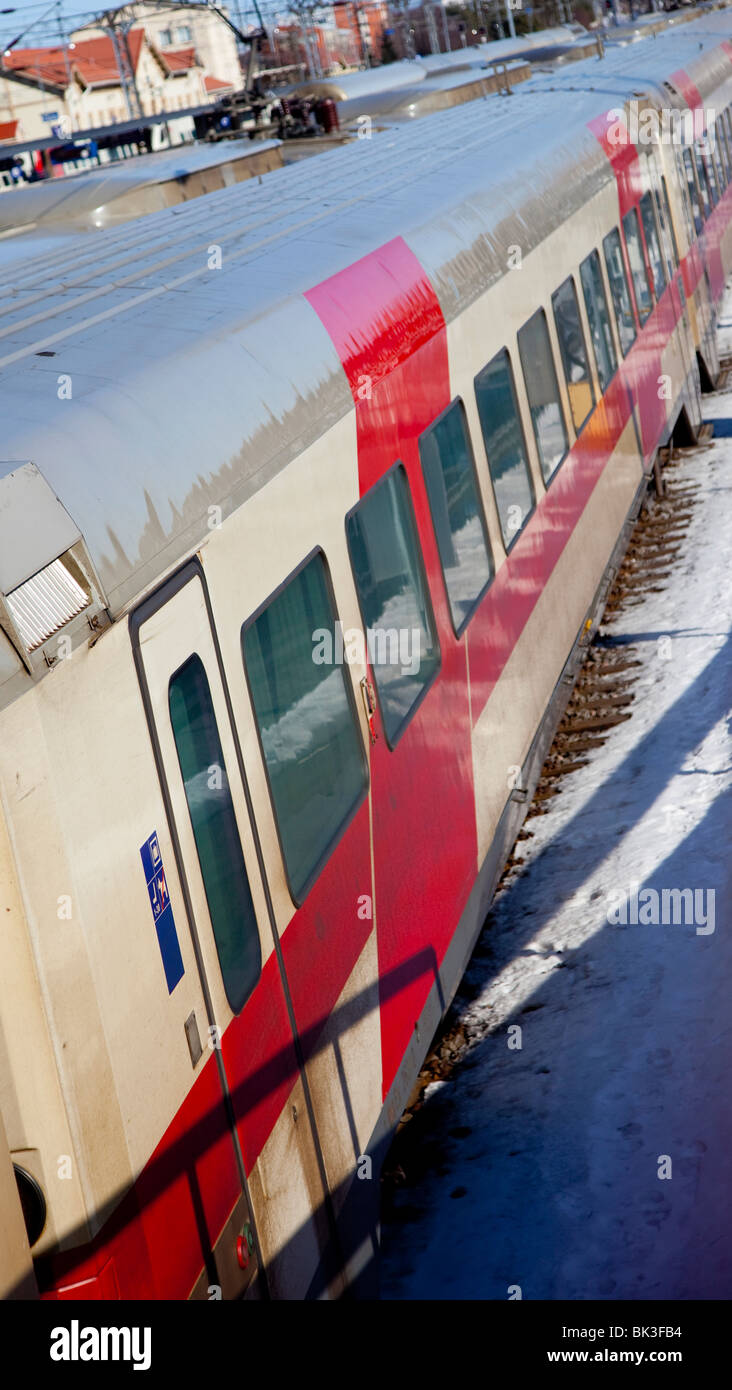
193 386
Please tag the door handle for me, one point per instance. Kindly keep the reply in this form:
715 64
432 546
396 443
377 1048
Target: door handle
369 704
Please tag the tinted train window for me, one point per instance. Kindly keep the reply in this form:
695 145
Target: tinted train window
215 831
668 235
542 389
719 136
684 199
457 516
693 188
718 156
727 127
615 267
392 591
724 146
724 149
703 182
573 352
598 318
653 244
711 172
643 297
710 165
307 725
505 447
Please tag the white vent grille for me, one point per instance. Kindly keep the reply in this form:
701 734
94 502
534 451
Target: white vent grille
46 603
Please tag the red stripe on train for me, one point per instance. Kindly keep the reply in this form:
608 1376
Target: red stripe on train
387 326
614 137
689 90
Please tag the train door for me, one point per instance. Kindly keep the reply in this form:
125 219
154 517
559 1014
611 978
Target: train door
249 1023
191 733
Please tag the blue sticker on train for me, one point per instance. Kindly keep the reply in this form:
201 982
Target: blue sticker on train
157 889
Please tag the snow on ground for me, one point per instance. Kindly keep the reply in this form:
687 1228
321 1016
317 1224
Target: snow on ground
551 1155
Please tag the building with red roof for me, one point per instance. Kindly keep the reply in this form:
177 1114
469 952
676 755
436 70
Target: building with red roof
79 86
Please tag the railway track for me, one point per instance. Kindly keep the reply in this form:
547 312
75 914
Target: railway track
602 699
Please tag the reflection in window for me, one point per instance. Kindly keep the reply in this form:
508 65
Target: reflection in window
643 297
573 352
726 124
542 389
718 140
505 449
392 591
684 197
668 235
311 742
598 318
449 474
693 188
215 831
703 182
653 245
615 267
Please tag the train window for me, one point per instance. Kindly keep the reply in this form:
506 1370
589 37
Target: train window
714 159
307 723
598 318
653 245
684 199
542 389
693 188
721 133
668 235
703 182
457 516
641 285
718 142
505 446
619 290
727 128
711 171
394 598
215 831
717 148
724 148
573 350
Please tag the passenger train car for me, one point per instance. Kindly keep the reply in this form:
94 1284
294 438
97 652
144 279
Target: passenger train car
311 490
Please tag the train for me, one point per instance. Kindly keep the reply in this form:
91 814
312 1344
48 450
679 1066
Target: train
312 491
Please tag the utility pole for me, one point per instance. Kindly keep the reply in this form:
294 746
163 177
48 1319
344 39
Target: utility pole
118 31
65 51
432 28
364 32
446 28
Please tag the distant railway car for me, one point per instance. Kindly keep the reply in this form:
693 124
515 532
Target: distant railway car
311 489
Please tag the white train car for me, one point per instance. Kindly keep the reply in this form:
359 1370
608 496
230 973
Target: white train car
309 494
